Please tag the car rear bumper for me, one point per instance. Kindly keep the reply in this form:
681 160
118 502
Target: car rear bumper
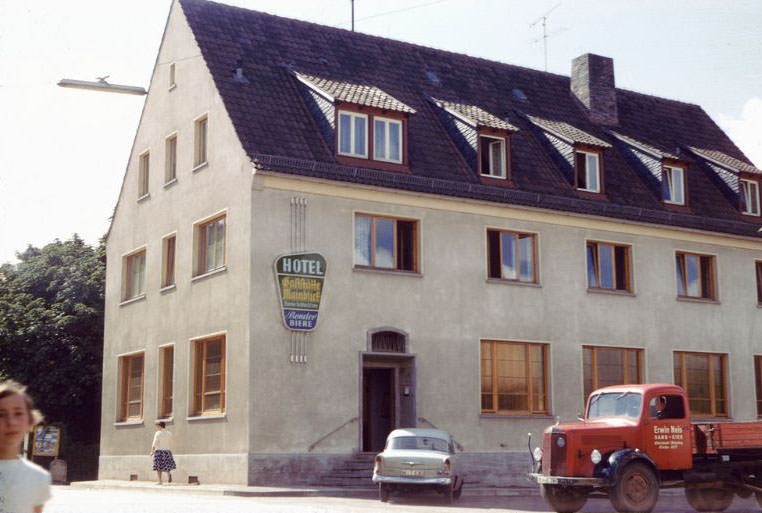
425 481
568 481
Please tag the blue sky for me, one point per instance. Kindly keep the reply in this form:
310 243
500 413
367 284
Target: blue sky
64 151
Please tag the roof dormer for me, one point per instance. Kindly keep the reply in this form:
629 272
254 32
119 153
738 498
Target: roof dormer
482 138
740 178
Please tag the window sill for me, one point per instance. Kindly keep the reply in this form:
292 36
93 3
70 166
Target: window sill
144 197
132 300
375 270
126 423
168 288
206 417
200 277
170 183
688 299
168 420
519 283
612 292
200 166
539 416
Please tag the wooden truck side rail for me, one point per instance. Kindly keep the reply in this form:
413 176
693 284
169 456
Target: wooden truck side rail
715 437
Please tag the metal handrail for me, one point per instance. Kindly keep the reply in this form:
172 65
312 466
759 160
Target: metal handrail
312 447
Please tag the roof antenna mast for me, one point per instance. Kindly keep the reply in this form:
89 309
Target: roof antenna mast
544 20
353 14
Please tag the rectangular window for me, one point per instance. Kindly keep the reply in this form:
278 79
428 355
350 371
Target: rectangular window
758 383
587 170
134 275
758 269
386 243
514 378
166 374
172 83
210 250
353 134
750 197
608 266
170 158
199 145
209 376
605 366
695 276
143 169
673 185
131 387
703 377
168 261
387 140
492 156
512 255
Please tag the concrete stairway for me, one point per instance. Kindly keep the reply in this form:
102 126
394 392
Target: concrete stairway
353 472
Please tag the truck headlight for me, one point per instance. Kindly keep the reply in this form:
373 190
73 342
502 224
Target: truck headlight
537 454
560 441
595 456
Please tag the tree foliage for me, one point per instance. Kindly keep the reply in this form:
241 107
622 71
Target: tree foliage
51 331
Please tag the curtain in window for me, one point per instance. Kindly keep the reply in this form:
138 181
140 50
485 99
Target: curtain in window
362 240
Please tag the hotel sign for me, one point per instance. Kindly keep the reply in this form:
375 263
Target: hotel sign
300 279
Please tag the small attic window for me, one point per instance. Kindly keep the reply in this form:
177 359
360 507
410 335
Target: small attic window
673 185
492 156
353 134
172 83
587 171
519 95
750 197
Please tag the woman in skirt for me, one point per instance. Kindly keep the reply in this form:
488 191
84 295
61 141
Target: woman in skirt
161 449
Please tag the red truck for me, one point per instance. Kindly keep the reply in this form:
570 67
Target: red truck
635 440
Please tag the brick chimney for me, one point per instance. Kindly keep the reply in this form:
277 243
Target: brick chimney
592 82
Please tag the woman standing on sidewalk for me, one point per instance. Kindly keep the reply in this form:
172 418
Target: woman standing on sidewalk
161 449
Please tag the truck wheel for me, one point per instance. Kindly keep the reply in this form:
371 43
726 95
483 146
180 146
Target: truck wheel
759 498
636 490
563 499
709 499
383 492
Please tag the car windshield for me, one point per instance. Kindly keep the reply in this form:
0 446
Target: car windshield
422 443
615 404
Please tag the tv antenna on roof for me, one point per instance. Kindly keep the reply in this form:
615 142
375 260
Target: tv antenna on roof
544 20
353 14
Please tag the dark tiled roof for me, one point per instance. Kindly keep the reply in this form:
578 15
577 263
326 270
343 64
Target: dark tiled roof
474 115
653 150
271 118
567 132
726 161
358 94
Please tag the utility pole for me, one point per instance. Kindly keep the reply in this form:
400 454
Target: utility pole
544 20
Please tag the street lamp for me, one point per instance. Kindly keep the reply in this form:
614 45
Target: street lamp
102 85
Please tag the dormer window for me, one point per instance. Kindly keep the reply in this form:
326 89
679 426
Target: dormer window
587 171
387 140
749 197
673 185
353 134
492 156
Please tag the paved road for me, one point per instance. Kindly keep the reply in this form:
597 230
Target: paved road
73 500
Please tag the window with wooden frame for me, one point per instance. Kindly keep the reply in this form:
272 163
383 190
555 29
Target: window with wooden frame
134 266
758 383
353 134
512 256
170 158
210 245
387 139
587 171
514 378
608 266
168 260
200 141
386 243
130 387
749 197
166 376
209 376
673 185
703 376
605 366
695 276
758 272
492 156
143 171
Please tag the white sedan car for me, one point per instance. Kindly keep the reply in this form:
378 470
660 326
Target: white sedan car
416 459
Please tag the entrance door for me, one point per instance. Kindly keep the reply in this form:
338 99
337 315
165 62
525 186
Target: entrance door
378 407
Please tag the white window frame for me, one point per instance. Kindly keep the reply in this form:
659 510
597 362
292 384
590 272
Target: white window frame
387 122
127 276
144 174
746 191
172 76
671 171
587 170
503 166
200 141
352 116
169 176
200 243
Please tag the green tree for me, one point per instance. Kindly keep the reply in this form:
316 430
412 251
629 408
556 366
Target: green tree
51 338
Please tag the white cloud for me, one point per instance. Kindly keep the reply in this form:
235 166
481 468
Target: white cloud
746 130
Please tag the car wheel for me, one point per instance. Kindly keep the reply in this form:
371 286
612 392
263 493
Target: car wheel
636 490
709 499
383 492
563 499
456 494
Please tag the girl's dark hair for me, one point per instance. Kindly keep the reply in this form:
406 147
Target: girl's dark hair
10 387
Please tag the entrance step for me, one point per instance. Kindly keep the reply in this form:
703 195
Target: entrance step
355 471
